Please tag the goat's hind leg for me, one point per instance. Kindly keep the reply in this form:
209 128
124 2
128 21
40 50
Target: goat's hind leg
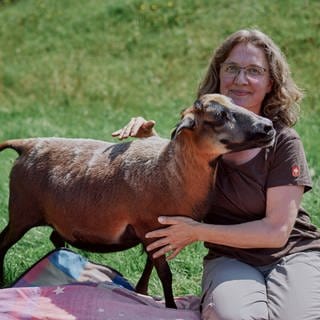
8 237
3 250
57 240
23 216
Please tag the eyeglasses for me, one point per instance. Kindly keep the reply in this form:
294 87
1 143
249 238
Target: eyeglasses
233 70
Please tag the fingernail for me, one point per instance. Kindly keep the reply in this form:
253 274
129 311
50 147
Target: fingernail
161 219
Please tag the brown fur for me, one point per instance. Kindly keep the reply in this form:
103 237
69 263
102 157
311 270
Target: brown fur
105 197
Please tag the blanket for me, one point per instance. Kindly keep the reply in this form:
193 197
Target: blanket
65 285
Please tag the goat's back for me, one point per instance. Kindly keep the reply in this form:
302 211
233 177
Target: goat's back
61 162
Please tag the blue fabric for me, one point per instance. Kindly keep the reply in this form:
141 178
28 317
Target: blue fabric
63 266
122 282
68 262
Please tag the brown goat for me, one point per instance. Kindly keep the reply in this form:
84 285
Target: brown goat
105 197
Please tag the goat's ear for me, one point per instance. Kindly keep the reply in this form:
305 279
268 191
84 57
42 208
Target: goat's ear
198 105
185 123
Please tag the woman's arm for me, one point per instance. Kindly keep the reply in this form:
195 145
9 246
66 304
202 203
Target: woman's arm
270 232
137 127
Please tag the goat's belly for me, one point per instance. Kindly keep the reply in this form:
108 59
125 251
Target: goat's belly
103 247
108 243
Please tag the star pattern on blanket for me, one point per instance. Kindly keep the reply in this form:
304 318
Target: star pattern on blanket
59 299
58 290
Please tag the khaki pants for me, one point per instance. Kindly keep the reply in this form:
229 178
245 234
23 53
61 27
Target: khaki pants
288 290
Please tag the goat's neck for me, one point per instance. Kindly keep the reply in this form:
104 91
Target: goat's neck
192 167
190 158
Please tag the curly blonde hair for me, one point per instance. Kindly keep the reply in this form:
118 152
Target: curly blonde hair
281 104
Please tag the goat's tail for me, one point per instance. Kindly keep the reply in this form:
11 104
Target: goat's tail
12 144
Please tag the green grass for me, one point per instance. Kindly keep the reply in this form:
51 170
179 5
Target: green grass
79 68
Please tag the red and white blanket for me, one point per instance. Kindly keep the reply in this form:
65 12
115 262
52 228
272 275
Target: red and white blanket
64 285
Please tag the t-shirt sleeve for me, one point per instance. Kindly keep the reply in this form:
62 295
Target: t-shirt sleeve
288 164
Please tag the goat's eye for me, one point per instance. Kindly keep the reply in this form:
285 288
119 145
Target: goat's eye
221 118
218 115
223 115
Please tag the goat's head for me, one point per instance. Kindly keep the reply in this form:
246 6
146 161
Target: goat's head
218 124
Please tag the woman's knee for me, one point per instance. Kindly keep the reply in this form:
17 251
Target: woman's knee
233 290
294 287
240 308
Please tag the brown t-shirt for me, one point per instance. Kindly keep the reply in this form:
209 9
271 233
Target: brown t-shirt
240 196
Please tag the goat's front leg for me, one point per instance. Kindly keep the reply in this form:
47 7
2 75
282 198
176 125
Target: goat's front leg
142 285
165 276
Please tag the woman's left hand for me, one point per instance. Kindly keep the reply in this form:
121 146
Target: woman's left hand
179 233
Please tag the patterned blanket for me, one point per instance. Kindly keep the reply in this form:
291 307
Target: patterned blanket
65 285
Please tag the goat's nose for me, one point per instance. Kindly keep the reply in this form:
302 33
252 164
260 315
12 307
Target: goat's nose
267 128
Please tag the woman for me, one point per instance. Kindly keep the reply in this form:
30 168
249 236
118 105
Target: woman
263 258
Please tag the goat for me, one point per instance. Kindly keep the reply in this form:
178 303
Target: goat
105 197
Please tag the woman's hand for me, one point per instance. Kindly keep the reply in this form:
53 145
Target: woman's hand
137 127
180 232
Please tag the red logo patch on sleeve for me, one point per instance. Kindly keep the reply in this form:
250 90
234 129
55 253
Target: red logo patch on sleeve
295 171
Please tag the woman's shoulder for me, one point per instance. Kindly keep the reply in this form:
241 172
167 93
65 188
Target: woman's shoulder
284 132
287 160
285 135
287 145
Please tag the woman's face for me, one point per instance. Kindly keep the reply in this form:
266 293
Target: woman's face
245 77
